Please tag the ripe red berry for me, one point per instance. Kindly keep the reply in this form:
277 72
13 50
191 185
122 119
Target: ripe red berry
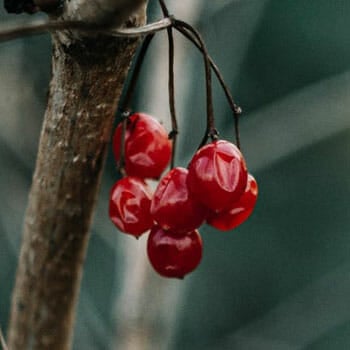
129 206
217 175
172 206
172 255
239 211
147 146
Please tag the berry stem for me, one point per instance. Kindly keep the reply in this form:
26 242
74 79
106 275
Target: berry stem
236 110
210 130
171 87
164 8
121 163
125 106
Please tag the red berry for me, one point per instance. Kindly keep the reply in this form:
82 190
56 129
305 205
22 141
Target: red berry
172 206
129 206
240 210
147 146
217 175
172 255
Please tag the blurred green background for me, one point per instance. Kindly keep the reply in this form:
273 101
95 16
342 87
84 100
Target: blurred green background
281 280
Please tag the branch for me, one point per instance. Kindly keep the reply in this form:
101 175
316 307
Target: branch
87 80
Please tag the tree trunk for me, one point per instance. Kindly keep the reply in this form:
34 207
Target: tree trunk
88 76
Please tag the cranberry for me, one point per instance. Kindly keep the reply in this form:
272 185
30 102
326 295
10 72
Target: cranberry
147 146
240 210
129 206
172 255
217 175
173 207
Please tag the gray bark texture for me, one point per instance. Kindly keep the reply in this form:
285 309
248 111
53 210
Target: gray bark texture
88 74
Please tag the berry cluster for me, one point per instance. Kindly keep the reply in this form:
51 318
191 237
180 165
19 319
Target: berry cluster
215 188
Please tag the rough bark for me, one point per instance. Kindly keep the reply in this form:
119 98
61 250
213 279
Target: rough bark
88 76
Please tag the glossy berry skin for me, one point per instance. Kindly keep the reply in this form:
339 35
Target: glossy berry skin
147 146
240 210
217 175
173 207
129 206
172 255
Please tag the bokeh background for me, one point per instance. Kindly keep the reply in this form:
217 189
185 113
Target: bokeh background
281 280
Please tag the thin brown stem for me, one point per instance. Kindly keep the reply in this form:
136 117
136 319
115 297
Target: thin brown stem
211 131
236 109
171 87
164 8
121 162
125 106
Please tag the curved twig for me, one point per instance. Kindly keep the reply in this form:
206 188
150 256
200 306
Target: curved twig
40 27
